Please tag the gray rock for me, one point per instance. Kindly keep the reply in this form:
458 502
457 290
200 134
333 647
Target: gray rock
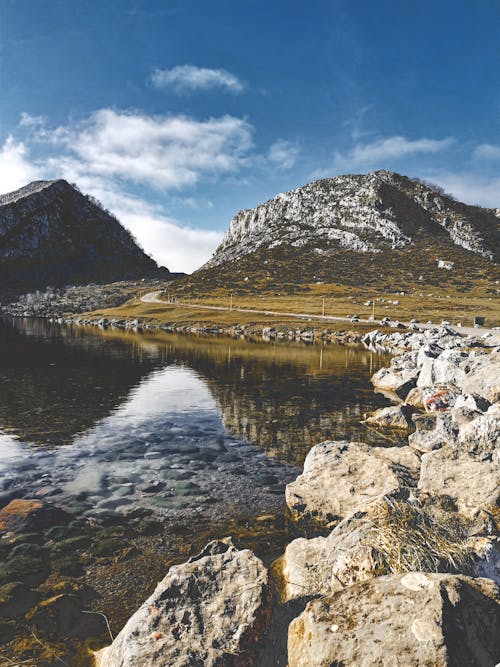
412 619
205 612
483 377
433 431
394 416
472 483
415 398
391 536
467 407
323 565
445 369
340 478
397 382
482 435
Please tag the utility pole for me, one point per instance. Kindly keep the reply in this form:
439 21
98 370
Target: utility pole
230 301
323 306
373 309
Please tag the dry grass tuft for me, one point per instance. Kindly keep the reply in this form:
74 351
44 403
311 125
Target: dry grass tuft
409 538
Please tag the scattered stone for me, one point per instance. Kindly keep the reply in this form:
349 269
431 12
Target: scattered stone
413 619
209 611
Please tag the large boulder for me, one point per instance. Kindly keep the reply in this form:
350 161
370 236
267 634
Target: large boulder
394 381
209 611
482 435
473 483
433 431
340 478
483 376
447 368
323 565
392 536
411 619
467 407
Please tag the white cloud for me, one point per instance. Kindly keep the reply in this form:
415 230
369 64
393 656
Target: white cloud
188 78
283 154
487 151
16 169
378 152
178 247
469 188
110 150
162 151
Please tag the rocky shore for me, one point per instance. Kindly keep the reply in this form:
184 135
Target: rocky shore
400 558
266 333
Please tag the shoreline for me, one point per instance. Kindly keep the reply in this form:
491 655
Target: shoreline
300 574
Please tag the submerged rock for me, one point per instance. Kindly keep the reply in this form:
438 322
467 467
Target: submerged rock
340 478
412 619
209 611
22 515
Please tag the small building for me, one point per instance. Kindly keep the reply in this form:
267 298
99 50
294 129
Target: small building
479 321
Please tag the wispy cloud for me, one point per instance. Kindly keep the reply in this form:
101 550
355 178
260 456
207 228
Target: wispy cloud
16 168
379 152
283 154
188 78
487 151
469 188
166 152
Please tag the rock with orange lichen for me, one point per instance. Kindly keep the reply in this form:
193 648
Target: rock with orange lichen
23 515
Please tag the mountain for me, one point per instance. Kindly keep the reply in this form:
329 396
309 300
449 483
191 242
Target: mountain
52 234
358 229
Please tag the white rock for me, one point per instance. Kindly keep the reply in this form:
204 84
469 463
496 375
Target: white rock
340 478
415 619
204 612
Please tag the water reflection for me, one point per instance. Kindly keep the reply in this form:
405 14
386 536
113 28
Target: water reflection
168 423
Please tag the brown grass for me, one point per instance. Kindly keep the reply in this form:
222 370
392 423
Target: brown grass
409 538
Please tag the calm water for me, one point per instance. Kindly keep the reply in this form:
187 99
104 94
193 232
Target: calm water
104 422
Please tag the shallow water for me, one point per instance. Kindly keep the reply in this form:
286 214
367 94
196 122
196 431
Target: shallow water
105 422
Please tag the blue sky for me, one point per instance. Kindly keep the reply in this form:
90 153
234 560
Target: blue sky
178 113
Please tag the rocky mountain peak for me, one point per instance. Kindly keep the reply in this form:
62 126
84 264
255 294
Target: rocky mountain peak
52 234
363 213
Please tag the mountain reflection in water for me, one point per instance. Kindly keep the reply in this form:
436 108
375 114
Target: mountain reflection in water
108 421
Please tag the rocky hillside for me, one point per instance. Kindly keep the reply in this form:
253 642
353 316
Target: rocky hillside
359 228
52 234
